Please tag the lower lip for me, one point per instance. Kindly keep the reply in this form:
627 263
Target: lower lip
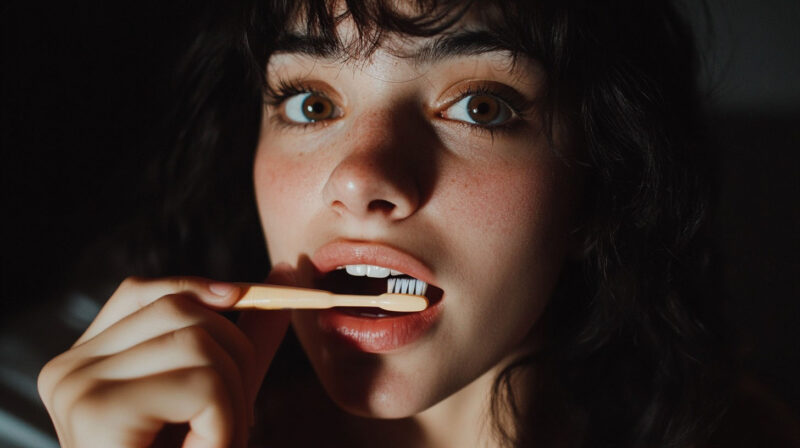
378 335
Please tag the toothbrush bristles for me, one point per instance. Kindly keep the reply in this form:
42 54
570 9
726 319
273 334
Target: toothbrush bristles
406 286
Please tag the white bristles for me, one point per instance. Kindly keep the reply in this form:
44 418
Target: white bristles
406 286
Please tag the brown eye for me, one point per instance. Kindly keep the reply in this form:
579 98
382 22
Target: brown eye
483 108
317 108
480 109
309 107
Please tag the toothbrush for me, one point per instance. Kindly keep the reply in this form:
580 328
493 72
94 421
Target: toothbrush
269 297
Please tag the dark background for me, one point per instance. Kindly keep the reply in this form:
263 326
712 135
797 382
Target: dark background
83 85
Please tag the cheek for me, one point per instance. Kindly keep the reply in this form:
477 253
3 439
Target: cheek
282 183
513 229
508 208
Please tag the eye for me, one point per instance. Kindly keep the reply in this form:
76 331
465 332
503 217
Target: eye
480 109
309 107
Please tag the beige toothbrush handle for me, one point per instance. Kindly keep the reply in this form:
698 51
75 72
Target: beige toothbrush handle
268 297
386 301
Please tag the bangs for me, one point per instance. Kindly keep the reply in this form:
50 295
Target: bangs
535 29
317 22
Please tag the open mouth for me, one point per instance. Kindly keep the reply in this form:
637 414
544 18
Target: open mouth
374 280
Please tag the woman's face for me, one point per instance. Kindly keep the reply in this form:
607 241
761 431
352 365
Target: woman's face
428 157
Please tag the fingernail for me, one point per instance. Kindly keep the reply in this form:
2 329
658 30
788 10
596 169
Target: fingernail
221 289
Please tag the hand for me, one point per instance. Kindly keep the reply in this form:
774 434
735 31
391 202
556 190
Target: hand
157 354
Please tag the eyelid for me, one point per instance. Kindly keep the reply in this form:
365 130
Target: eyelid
517 101
287 87
518 105
276 98
509 110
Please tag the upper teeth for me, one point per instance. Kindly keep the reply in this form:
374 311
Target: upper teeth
369 270
394 285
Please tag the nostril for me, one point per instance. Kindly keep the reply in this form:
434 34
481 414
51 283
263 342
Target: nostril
380 205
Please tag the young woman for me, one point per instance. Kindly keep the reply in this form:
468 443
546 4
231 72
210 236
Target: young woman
537 164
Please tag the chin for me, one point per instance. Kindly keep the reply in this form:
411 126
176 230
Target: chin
371 385
368 387
379 405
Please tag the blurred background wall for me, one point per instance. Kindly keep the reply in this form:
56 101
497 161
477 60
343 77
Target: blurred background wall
83 83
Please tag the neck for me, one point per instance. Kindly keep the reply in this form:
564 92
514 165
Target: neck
462 419
465 418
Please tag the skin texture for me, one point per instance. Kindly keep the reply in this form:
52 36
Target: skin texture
487 208
490 213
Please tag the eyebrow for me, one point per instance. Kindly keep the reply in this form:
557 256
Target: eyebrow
459 43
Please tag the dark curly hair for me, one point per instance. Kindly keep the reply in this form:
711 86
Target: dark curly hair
630 356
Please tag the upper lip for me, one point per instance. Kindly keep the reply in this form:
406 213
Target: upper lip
343 252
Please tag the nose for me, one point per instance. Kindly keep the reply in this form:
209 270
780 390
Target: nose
376 179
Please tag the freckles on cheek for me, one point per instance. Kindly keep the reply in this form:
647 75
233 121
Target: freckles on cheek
280 182
498 201
284 190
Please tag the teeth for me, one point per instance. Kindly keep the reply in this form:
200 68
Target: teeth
377 271
358 270
393 284
369 270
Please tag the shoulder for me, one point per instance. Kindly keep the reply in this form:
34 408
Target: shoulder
756 417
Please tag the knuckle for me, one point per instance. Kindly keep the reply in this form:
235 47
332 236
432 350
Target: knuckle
131 283
183 284
54 374
48 377
179 284
65 393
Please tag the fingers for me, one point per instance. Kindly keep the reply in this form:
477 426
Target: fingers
163 317
180 350
170 336
159 353
196 395
135 293
119 391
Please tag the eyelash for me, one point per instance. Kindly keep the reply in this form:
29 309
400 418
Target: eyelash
518 105
286 89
